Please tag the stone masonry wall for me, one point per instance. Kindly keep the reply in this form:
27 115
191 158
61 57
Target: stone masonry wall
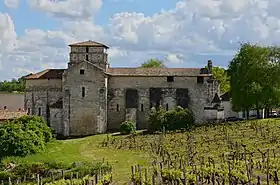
84 115
197 94
38 98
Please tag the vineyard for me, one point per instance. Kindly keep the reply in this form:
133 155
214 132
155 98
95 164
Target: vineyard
231 153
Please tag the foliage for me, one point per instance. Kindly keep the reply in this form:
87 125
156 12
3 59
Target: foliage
221 76
254 78
127 127
28 170
13 85
174 119
153 63
23 136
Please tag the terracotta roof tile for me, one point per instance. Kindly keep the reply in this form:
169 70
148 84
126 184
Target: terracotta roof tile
89 43
158 72
47 74
6 115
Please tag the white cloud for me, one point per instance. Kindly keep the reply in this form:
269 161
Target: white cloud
70 9
11 3
188 35
173 58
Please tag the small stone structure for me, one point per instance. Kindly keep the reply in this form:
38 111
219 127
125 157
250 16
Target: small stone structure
89 97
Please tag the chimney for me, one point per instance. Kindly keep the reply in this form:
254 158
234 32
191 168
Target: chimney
210 66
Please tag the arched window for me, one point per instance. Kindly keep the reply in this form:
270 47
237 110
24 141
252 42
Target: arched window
142 107
166 107
39 111
118 108
83 92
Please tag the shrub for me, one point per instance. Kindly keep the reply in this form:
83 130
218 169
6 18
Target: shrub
23 136
127 127
176 119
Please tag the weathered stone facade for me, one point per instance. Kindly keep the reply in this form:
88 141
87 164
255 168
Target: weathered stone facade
89 97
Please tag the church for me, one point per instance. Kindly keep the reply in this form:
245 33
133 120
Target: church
90 97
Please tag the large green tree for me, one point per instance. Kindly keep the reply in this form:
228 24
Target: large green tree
253 77
153 63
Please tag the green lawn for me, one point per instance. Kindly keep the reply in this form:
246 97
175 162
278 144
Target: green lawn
89 150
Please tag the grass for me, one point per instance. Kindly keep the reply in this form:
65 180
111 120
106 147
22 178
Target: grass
89 150
206 141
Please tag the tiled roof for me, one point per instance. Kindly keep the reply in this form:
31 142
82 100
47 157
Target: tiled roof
47 74
57 73
6 115
89 43
158 72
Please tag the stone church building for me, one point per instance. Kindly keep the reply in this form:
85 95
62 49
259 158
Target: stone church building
90 97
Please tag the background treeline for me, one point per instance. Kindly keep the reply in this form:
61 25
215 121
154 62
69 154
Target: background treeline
13 85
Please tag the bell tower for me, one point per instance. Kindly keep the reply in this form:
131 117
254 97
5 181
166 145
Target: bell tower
91 51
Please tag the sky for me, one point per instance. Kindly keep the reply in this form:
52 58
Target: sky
35 34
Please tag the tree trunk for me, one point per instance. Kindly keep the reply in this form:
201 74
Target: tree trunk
258 113
247 114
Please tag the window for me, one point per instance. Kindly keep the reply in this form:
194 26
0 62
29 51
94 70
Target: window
39 111
82 71
166 107
118 108
87 49
142 107
170 79
87 57
83 92
200 79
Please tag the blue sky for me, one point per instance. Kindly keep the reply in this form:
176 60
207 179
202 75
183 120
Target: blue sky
34 34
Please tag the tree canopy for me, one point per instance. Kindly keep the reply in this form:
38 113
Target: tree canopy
221 76
153 63
13 85
254 77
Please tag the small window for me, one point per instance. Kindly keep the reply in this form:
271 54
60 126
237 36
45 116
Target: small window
82 71
142 107
166 107
118 108
200 79
39 111
83 92
87 57
170 79
87 49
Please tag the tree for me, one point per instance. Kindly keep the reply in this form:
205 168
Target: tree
221 76
153 63
253 78
13 85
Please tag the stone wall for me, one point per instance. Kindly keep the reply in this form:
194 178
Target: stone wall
84 115
38 98
198 96
56 120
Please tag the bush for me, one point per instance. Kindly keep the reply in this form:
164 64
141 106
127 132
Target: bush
23 136
127 127
171 120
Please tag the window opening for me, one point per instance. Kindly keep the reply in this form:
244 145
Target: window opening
83 92
170 79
